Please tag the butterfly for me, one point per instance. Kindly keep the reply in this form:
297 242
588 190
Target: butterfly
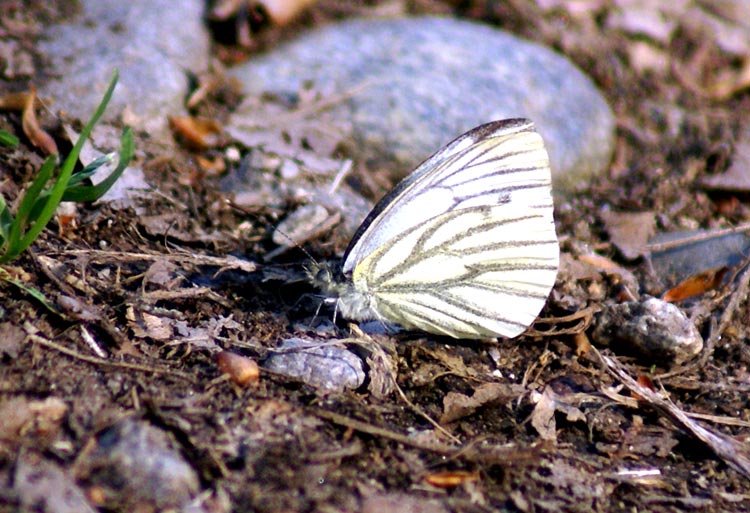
464 246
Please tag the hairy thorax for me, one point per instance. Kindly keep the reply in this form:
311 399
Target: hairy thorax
356 304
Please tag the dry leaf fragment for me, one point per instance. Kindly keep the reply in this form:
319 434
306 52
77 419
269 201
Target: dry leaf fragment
456 405
145 325
38 137
11 340
630 232
197 133
549 402
696 285
602 264
241 369
451 479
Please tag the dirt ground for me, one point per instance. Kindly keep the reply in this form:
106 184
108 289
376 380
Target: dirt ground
142 302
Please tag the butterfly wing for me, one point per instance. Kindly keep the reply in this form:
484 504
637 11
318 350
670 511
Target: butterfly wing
496 163
475 272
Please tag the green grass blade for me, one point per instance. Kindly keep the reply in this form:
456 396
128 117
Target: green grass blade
94 192
8 139
14 244
32 291
88 171
57 191
6 222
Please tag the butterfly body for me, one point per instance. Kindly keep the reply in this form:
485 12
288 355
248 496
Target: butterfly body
465 246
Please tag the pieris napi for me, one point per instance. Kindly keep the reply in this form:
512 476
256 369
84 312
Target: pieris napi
464 246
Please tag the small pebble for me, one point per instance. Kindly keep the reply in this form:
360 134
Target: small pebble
241 369
319 364
654 330
133 466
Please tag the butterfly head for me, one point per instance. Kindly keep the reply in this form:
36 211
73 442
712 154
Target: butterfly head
351 303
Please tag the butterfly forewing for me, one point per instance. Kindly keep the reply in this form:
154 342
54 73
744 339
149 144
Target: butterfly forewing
500 162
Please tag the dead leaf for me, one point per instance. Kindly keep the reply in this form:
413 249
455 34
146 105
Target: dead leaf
456 405
38 137
77 308
581 268
696 285
306 223
176 225
11 340
548 403
451 479
630 232
145 325
162 273
197 133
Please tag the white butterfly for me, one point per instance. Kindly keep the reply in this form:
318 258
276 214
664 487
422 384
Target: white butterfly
464 246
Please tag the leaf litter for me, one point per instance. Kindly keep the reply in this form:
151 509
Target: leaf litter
155 290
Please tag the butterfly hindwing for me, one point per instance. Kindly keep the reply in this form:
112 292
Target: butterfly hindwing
469 273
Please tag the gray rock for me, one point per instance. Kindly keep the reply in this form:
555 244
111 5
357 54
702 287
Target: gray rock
152 42
411 85
138 468
42 485
653 329
321 365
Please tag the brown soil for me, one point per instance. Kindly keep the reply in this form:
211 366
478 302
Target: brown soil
142 287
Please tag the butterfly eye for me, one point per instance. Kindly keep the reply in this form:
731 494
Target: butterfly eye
323 275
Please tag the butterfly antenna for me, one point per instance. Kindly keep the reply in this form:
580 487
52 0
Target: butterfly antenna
283 249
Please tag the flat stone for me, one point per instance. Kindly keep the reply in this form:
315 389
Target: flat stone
153 43
409 86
